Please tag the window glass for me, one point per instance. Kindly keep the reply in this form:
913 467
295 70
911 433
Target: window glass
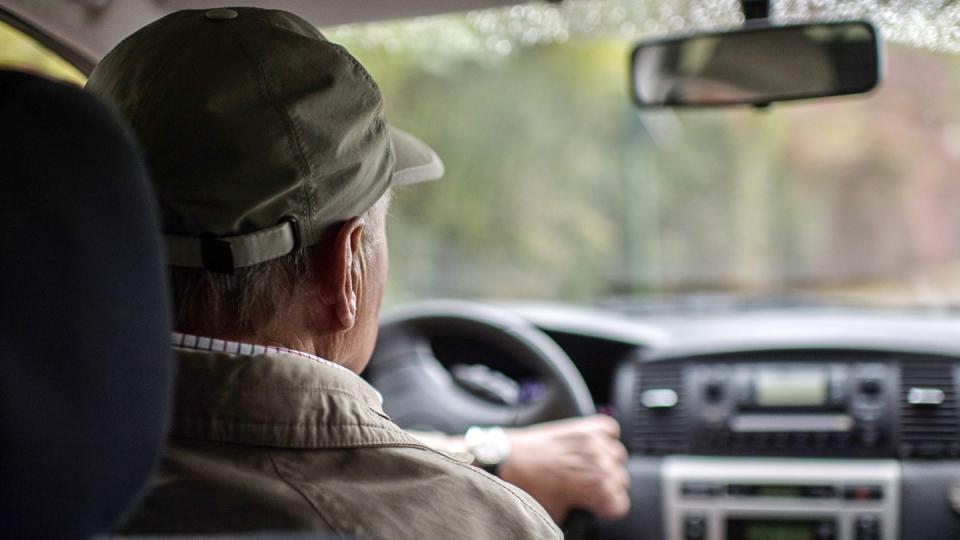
558 188
19 51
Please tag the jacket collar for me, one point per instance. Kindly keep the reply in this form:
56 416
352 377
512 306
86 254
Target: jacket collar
269 396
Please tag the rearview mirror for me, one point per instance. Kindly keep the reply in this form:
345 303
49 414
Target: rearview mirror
757 65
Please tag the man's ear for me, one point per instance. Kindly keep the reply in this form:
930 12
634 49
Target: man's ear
348 274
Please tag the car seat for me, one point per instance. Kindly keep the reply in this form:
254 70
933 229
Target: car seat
85 367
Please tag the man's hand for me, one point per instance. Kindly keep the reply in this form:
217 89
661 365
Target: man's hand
570 464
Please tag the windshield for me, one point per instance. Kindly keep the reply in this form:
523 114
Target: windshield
558 189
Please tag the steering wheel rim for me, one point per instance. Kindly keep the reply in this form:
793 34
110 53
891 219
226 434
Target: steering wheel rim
419 392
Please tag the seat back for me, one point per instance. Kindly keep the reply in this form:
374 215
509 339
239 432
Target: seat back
85 368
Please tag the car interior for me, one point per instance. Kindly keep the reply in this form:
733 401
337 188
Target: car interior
730 225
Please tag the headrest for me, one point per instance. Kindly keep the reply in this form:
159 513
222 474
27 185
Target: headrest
85 367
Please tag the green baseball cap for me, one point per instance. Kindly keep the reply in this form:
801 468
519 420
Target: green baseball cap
258 132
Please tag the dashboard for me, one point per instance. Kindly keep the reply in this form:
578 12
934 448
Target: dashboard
779 425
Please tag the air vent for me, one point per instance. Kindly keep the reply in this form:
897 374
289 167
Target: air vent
928 409
660 421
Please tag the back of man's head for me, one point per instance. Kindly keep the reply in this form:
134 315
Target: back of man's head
263 140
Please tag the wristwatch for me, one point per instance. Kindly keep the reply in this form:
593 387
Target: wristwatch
490 447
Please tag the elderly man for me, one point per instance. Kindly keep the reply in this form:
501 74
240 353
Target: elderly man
273 165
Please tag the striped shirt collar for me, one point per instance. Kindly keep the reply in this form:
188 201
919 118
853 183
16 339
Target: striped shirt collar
192 342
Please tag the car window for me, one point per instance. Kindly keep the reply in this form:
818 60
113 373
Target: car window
557 188
20 51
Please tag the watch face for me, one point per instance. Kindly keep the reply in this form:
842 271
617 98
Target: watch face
488 446
487 454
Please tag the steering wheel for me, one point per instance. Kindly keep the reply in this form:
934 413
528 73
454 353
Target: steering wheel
419 392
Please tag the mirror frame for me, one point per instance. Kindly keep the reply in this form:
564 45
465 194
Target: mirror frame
749 28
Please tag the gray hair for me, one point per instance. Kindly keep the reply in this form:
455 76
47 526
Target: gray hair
250 300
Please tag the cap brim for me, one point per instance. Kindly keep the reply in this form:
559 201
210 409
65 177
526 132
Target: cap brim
416 162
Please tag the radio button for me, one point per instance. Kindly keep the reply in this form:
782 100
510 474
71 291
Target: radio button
868 528
825 531
694 527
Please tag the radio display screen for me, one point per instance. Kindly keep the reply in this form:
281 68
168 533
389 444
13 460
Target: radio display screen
790 388
769 529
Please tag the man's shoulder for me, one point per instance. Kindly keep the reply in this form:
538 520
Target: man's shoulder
440 492
383 490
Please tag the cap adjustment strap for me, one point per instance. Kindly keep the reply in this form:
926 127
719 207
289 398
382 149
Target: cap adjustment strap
226 254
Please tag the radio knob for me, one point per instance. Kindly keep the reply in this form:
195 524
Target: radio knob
713 390
870 387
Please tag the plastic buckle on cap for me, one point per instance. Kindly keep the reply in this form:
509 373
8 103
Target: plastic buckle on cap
295 231
217 255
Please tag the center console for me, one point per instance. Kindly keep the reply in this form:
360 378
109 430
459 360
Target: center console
793 444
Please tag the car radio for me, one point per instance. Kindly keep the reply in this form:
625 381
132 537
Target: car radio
713 498
792 408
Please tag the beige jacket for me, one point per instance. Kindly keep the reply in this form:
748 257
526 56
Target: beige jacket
280 441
